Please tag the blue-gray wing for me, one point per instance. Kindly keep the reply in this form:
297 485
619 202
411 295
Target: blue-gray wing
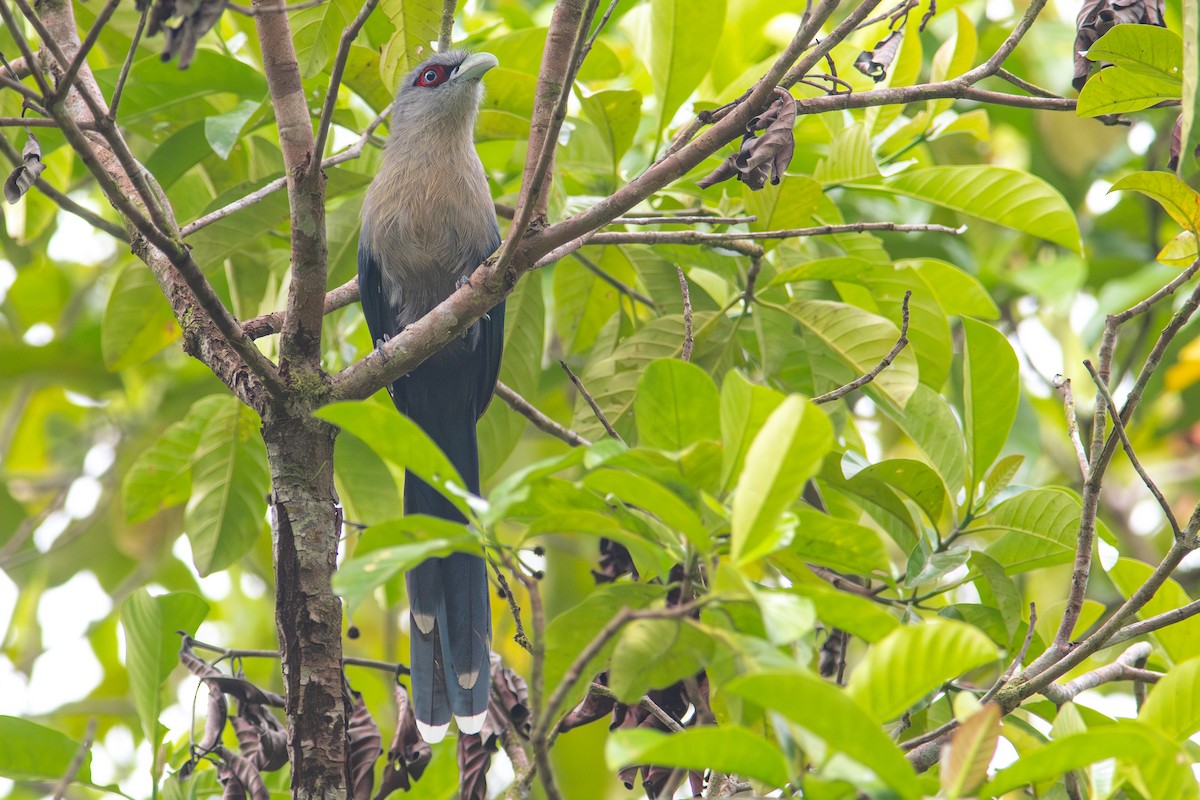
380 319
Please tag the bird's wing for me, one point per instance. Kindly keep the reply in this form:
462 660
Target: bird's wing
380 319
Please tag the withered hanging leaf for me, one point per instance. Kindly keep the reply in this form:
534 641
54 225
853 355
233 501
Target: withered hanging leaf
261 737
408 753
474 760
23 177
761 157
195 665
246 691
366 745
1177 144
875 63
1097 17
244 775
511 696
615 560
214 720
196 18
593 707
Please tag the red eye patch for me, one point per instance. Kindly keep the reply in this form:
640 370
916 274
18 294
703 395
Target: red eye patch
433 75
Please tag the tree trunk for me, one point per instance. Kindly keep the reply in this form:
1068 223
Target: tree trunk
306 525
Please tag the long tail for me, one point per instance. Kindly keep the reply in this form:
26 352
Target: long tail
451 628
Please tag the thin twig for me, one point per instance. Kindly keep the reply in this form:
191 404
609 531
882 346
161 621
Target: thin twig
886 362
350 153
392 667
268 324
666 219
20 88
540 421
35 68
120 87
1033 89
1017 661
688 341
26 122
246 11
1119 426
592 404
68 79
1064 386
519 637
1157 622
706 237
85 747
446 30
335 74
608 12
616 283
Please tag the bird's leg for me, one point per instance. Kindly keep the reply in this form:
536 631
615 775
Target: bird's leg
379 343
465 280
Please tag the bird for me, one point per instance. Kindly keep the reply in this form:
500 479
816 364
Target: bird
427 222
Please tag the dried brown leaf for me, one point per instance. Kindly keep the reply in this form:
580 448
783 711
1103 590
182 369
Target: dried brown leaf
366 745
23 177
510 695
261 737
407 755
214 720
239 771
474 760
876 63
765 157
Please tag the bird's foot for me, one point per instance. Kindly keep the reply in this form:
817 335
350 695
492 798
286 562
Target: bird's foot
379 343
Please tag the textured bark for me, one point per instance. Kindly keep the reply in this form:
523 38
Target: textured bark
300 339
306 522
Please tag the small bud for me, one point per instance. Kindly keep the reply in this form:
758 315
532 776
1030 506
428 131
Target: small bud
353 632
539 551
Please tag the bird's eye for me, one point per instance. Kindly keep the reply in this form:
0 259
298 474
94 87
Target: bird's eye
431 76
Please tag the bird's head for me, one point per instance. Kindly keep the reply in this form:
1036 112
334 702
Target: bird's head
444 90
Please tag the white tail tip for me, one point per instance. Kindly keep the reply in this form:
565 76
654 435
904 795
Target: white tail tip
473 724
432 734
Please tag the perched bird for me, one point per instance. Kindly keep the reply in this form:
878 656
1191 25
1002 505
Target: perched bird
427 223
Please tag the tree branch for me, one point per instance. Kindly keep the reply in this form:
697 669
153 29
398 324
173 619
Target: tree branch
587 397
300 337
717 239
886 362
540 421
1123 669
335 73
1064 386
446 30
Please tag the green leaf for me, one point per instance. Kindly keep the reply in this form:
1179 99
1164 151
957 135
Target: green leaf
419 537
952 59
1000 195
1181 641
838 544
829 713
652 497
364 483
970 752
1128 742
1173 705
223 130
230 481
860 340
1148 49
856 615
1189 165
677 405
416 24
728 748
1176 197
316 32
913 661
745 406
1036 525
683 41
399 441
996 589
152 646
850 158
31 752
915 479
138 323
1180 251
571 631
1000 477
524 338
615 113
931 425
161 476
991 390
1119 91
583 301
654 654
790 204
786 452
957 292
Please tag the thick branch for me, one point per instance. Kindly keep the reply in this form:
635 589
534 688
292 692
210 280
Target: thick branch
300 338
